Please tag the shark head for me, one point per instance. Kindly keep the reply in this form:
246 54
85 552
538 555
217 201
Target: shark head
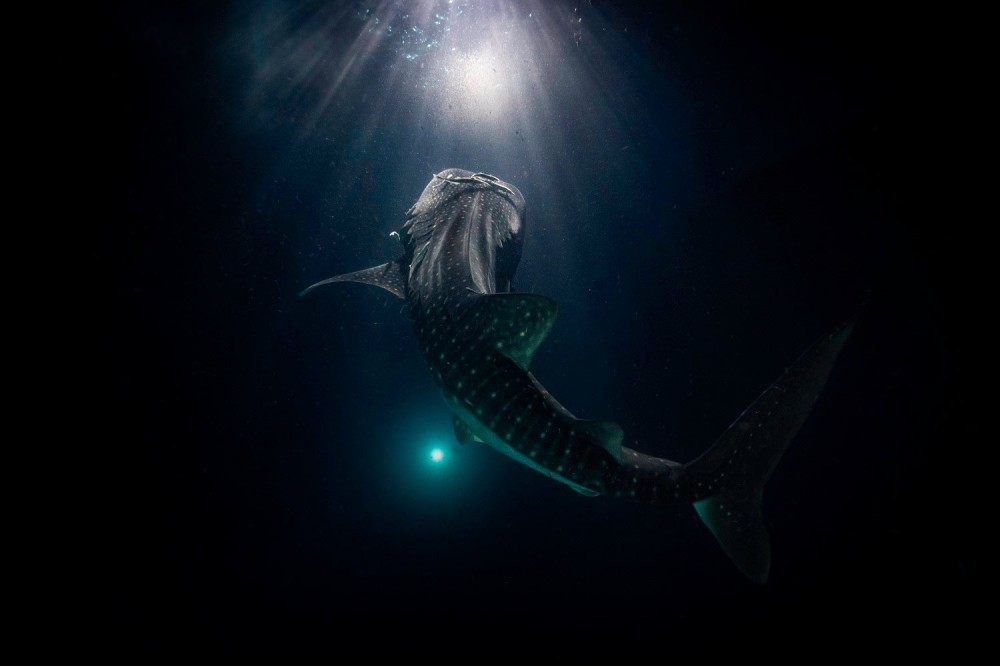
491 210
453 181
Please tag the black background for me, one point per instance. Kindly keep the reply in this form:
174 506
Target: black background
251 427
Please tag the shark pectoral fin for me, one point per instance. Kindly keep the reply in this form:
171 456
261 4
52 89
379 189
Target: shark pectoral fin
518 323
586 492
390 277
463 433
606 434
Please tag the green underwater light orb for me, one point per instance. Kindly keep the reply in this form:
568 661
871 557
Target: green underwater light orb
437 455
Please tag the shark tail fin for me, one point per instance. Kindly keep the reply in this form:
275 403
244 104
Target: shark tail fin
742 459
390 277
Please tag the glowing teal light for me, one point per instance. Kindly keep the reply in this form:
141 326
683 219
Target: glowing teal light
437 455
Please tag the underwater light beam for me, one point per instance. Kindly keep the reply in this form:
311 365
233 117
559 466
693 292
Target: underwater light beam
480 67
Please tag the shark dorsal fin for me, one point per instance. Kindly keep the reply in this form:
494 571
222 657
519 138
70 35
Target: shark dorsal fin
390 277
463 433
516 324
606 434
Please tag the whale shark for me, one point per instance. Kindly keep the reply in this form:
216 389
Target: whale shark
462 244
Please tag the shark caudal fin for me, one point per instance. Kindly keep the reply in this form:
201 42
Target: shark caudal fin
390 277
742 459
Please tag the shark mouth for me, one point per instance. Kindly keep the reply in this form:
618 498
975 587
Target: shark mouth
484 178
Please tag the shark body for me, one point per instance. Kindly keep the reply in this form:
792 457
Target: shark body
462 245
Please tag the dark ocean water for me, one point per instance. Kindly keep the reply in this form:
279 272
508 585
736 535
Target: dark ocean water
710 187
